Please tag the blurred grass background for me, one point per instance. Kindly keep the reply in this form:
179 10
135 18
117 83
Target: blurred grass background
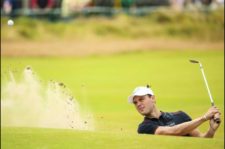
203 26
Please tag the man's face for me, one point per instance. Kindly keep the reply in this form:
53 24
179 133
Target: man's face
144 104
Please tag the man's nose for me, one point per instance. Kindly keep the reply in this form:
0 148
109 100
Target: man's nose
138 104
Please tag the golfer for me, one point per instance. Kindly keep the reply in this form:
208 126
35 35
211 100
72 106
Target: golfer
169 123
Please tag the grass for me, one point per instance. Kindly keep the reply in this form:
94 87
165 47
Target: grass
178 85
55 139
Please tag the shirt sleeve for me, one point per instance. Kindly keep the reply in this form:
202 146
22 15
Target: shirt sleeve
185 116
147 128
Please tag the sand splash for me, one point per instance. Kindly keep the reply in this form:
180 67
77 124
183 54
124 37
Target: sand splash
29 103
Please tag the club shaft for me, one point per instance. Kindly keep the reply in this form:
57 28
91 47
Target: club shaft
207 86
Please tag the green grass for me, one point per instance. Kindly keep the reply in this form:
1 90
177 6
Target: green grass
34 138
178 85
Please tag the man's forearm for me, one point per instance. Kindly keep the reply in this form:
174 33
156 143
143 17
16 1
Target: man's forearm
187 127
209 134
181 129
196 133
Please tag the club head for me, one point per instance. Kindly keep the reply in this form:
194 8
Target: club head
193 61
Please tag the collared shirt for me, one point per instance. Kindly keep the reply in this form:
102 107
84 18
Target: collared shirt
149 125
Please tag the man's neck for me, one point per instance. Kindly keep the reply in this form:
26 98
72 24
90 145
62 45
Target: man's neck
154 114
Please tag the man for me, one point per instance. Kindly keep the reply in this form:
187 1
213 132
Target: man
165 123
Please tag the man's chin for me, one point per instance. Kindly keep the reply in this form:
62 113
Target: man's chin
143 113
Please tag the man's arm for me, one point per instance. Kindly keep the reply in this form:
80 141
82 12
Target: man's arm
209 134
196 133
186 127
180 129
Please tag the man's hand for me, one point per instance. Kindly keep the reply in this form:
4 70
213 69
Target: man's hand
211 112
211 115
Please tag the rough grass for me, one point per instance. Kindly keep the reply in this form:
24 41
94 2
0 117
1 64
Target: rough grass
163 23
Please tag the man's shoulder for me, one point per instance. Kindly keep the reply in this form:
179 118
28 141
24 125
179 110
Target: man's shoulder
144 122
147 126
181 114
178 112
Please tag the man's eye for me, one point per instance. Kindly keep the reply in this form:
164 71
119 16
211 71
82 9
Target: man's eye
135 103
141 99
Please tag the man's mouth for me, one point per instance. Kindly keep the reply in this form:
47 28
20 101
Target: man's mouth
141 108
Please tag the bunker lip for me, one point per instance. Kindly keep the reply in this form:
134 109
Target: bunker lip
80 48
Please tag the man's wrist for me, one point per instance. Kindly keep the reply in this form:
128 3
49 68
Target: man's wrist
211 131
204 118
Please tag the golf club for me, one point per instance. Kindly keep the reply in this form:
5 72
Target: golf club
216 117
